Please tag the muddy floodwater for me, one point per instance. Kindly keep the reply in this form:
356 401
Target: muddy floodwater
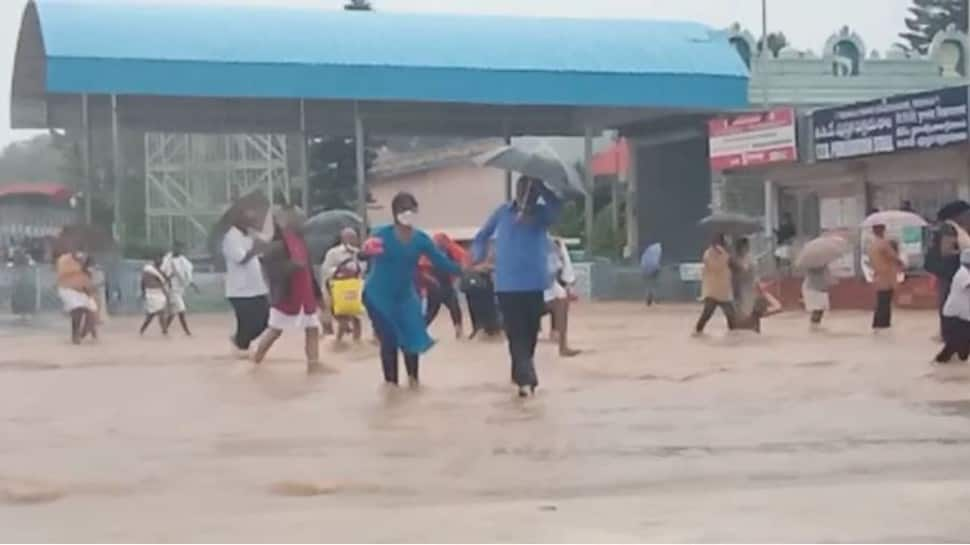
648 436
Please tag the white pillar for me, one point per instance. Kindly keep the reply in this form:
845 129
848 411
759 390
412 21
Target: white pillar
117 170
86 157
304 159
632 213
771 208
361 166
589 210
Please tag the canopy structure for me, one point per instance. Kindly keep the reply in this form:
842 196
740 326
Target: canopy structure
173 66
48 190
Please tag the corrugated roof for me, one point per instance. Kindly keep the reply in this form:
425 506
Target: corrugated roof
288 52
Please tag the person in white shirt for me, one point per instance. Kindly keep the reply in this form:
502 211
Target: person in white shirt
956 315
178 270
343 261
245 284
557 295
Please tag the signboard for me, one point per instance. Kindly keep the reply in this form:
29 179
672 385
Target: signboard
691 272
753 139
905 122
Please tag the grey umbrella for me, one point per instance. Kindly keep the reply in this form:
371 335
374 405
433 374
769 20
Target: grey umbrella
537 161
730 223
322 231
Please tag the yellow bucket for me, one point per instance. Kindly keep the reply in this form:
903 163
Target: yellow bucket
347 297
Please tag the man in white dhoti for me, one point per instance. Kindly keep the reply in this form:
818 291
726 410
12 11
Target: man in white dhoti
178 270
155 292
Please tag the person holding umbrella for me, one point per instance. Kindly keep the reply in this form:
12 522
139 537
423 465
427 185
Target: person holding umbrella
943 257
521 230
814 260
886 267
956 315
650 267
716 286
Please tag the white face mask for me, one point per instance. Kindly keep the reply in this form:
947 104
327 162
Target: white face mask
407 218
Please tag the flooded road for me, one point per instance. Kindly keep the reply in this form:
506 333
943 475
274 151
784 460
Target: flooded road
648 436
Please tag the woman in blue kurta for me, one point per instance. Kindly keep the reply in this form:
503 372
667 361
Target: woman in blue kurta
390 294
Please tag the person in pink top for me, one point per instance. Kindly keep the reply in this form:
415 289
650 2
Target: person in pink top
294 291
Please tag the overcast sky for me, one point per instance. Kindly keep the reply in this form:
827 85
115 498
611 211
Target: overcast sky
807 23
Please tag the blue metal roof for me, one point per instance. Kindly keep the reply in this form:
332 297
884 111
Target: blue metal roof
179 49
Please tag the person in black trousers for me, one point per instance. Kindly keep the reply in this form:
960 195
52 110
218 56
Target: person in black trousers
956 315
521 230
246 287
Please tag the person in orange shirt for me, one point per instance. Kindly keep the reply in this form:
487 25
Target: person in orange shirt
440 286
75 290
716 288
886 268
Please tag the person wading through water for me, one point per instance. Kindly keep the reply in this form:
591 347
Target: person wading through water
521 230
390 294
716 289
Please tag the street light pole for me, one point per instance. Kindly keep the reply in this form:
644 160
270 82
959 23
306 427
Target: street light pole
761 54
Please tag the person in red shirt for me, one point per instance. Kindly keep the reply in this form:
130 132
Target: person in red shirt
295 294
439 286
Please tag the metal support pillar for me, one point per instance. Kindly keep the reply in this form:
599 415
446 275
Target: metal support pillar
588 177
117 168
632 205
361 166
771 209
615 200
86 158
304 159
508 174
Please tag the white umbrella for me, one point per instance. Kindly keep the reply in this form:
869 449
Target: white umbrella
822 251
536 161
895 218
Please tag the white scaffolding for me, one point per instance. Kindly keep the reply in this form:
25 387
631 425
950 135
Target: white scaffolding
190 180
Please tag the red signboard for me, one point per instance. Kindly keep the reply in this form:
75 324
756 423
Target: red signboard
753 139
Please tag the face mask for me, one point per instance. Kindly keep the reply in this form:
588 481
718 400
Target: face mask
407 218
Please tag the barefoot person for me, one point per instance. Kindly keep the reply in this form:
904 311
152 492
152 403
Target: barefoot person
886 268
558 294
294 292
815 294
245 286
155 293
390 294
178 269
521 230
74 288
716 288
343 264
442 291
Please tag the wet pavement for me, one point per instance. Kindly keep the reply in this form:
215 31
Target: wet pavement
648 436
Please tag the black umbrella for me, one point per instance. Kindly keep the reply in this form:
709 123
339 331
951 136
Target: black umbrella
731 224
952 210
322 231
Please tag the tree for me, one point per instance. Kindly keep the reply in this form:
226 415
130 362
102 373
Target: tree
333 173
776 42
929 17
37 159
359 5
